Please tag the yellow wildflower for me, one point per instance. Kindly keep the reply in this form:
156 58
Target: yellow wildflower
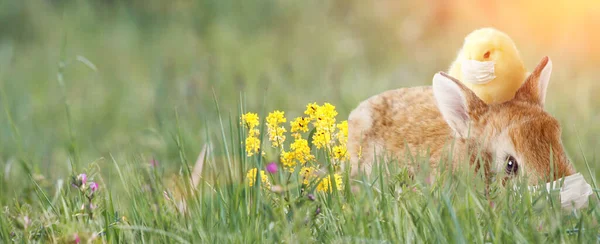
325 116
300 124
301 150
252 145
311 109
342 134
340 153
321 138
276 117
250 120
253 133
287 159
325 184
251 176
276 136
307 174
296 136
314 111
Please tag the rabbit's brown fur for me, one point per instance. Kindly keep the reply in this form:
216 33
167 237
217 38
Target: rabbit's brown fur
448 117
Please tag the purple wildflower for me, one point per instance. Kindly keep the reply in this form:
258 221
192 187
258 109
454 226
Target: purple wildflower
272 168
76 237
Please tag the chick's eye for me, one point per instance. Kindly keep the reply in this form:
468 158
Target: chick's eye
486 55
512 166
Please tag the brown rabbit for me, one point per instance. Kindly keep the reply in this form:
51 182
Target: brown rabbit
515 137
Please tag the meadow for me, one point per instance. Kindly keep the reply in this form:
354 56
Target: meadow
146 99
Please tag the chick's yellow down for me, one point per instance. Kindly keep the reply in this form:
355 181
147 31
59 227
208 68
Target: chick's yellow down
490 65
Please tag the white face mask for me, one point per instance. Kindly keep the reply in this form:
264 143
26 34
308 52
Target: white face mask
574 192
476 72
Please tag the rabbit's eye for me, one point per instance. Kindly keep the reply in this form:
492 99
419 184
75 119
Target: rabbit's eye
512 166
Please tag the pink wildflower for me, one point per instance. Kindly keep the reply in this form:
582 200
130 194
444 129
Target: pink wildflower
94 187
82 178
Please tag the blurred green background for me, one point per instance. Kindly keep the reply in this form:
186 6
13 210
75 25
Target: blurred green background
128 67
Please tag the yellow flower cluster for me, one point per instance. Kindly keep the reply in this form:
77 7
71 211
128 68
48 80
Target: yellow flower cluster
300 152
276 136
298 125
251 120
340 151
342 134
327 136
251 177
323 118
326 184
308 174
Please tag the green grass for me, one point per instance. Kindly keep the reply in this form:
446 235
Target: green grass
106 88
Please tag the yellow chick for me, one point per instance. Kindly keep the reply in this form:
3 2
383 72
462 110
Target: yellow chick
490 65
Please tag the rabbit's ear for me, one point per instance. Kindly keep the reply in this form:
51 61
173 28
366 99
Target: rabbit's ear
535 86
458 105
